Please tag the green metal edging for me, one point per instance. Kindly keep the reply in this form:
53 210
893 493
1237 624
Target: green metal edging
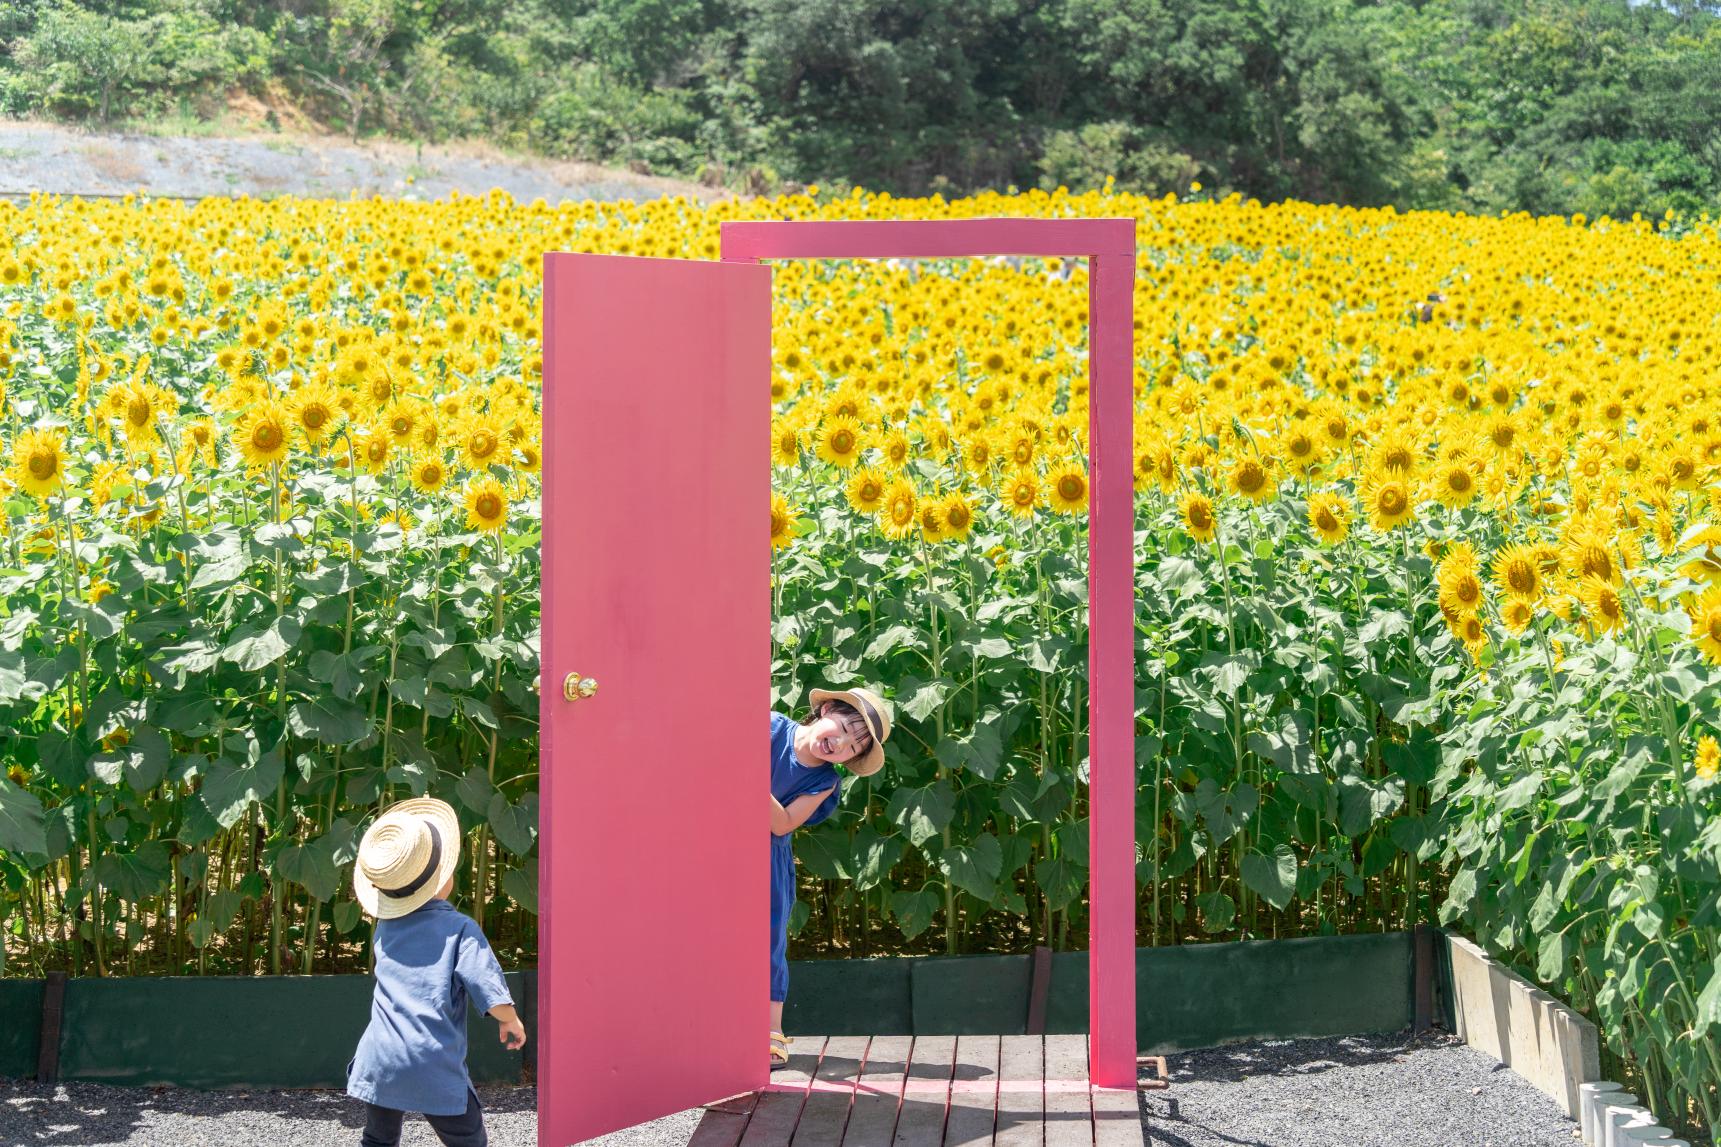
20 1033
300 1031
229 1031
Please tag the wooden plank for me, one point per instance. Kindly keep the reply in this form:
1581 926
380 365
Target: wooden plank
872 1118
1069 1113
778 1110
53 1011
1021 1092
1117 1117
719 1129
833 1088
926 1092
973 1092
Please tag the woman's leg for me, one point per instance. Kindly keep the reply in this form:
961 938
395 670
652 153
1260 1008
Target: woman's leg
382 1126
465 1130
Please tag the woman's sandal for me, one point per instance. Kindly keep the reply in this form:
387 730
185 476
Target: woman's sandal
780 1048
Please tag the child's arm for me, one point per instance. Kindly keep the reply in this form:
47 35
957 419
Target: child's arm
787 820
513 1032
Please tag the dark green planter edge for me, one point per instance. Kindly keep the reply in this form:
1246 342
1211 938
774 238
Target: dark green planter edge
207 1032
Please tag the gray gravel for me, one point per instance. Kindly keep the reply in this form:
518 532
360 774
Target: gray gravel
1357 1091
76 1114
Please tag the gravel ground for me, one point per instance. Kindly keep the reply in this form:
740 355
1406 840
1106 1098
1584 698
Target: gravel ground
1358 1091
67 161
1355 1091
76 1114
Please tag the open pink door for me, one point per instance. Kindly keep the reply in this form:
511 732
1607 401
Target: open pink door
654 851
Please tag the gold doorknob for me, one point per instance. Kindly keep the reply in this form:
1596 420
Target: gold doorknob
575 687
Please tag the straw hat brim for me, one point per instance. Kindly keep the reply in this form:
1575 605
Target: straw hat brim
873 711
404 814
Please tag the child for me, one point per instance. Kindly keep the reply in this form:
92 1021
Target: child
429 959
849 728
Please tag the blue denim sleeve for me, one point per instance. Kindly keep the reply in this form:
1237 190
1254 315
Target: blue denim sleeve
477 968
826 807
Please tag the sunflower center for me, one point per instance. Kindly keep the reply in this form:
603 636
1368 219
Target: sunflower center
313 417
1714 626
1458 481
489 506
1199 516
483 444
1391 500
44 465
267 436
1521 577
1250 478
842 442
1325 519
138 412
1468 590
1071 487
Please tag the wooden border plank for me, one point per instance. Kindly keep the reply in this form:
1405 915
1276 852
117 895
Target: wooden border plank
926 1091
777 1112
1021 1092
973 1092
1069 1111
827 1110
878 1095
53 1011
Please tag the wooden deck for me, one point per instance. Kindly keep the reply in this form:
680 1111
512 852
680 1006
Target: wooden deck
928 1091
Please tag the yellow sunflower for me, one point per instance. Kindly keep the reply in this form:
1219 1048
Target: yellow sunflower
1067 487
1518 574
315 411
1022 493
1252 480
429 473
39 461
782 521
373 447
480 440
1386 497
929 514
1454 484
900 509
486 504
1329 517
1705 614
786 443
1707 762
1460 587
261 433
893 447
1603 610
958 516
1517 614
839 441
1198 516
865 490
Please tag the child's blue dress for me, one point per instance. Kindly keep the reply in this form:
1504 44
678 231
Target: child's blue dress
790 779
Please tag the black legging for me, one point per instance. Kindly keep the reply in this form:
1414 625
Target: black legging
382 1125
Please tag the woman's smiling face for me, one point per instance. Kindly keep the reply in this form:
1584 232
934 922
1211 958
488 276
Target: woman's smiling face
835 738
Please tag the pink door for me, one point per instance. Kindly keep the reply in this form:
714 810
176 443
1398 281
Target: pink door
654 851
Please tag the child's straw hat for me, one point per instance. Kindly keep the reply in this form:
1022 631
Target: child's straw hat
406 856
875 711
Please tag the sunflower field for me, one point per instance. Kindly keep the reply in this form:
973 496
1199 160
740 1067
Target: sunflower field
1428 579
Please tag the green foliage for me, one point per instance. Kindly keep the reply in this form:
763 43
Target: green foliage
1597 106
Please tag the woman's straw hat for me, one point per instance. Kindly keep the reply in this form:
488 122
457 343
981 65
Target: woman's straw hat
406 856
875 711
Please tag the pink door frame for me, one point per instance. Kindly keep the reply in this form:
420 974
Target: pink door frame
1109 246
